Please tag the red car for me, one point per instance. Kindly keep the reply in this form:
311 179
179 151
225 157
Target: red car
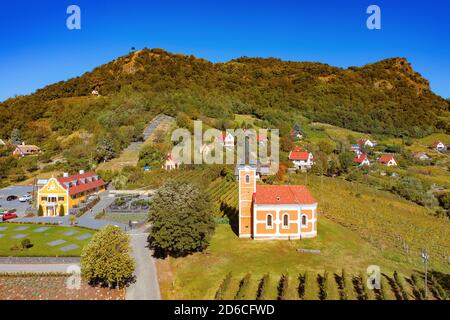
9 215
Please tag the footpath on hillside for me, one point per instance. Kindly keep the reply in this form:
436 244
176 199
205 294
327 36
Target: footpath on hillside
130 155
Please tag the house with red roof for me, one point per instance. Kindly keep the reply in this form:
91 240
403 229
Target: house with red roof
365 143
58 195
361 160
387 160
226 139
301 159
274 212
171 163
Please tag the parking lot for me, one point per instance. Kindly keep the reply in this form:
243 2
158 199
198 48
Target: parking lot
15 204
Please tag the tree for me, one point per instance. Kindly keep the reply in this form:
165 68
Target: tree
40 211
286 144
106 259
16 136
105 149
61 211
181 218
149 155
346 160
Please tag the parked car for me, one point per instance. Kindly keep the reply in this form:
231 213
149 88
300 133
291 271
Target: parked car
25 198
8 216
11 198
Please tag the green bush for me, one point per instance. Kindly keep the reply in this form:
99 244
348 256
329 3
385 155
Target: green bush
223 287
243 286
106 259
262 287
283 287
26 243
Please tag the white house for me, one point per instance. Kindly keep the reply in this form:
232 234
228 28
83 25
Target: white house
301 159
361 160
226 139
170 163
421 156
356 149
366 143
387 160
439 146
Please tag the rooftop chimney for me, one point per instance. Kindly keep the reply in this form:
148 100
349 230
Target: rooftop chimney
81 171
65 174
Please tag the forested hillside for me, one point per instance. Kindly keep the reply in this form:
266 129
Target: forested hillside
384 97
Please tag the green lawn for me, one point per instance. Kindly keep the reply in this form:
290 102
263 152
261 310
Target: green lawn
40 240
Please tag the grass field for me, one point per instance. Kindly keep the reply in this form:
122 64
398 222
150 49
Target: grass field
41 240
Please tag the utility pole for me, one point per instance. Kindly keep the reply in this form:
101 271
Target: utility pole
425 257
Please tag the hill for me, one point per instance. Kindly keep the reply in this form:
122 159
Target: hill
385 97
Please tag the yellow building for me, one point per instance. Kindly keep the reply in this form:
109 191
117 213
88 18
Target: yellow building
67 192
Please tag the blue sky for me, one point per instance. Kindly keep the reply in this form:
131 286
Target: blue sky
37 49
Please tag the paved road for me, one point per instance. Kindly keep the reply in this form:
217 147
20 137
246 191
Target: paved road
36 268
146 286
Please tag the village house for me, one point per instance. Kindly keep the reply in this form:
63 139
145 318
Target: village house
296 134
356 149
274 212
361 160
226 139
23 150
387 160
302 160
421 156
62 194
171 163
439 146
365 143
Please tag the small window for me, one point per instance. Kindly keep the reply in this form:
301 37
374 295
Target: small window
286 220
44 198
247 178
269 221
304 220
60 198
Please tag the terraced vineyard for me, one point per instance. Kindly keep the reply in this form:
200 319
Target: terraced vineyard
225 192
326 286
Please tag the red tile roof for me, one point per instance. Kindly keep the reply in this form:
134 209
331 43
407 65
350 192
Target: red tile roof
81 187
285 194
299 155
385 158
360 159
